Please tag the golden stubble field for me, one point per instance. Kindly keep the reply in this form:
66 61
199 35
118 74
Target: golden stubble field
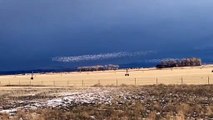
146 76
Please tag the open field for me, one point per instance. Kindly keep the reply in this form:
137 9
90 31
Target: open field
69 96
156 102
147 76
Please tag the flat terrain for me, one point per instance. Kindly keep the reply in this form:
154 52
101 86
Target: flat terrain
172 102
146 76
176 94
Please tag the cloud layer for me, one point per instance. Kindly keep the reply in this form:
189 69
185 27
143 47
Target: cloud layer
99 56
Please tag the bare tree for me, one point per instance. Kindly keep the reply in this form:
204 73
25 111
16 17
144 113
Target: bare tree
180 62
98 67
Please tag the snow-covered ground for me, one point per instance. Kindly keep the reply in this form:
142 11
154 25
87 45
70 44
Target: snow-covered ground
63 99
91 96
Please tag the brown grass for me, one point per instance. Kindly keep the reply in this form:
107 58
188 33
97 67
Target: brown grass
148 76
153 102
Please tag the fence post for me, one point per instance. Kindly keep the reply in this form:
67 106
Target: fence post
82 83
208 80
135 81
182 80
67 83
99 82
156 80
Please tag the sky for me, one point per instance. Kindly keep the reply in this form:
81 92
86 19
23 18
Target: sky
39 34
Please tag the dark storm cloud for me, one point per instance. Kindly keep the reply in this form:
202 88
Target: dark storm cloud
32 32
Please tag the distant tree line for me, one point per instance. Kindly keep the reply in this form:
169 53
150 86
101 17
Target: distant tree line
180 62
98 68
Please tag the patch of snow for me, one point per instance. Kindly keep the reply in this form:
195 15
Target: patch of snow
54 102
64 99
9 111
95 96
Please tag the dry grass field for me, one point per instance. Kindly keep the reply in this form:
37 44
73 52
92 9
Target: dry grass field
113 96
155 102
146 76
